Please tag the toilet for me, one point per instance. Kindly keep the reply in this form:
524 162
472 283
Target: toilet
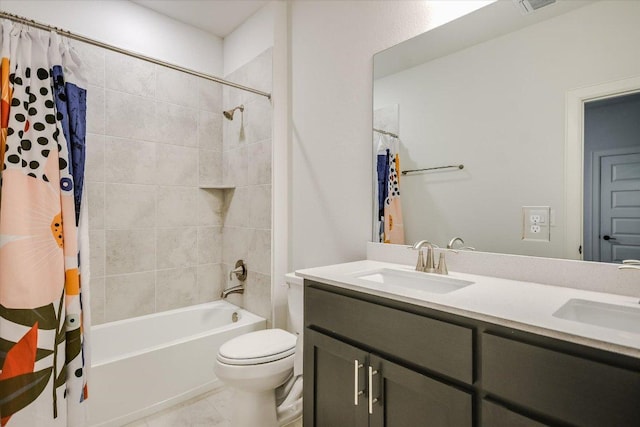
264 369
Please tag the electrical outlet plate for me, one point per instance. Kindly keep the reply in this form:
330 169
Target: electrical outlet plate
536 223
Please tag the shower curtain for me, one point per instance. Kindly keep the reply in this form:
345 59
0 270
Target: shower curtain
44 318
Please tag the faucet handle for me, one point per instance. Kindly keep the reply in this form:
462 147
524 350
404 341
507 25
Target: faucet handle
442 265
420 262
631 261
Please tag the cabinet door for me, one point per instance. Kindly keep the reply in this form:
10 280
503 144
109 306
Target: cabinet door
334 374
564 387
406 398
494 415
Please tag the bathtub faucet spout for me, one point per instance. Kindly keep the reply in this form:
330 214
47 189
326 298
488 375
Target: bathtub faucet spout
234 290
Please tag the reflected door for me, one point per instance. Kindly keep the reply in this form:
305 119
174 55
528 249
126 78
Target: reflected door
620 207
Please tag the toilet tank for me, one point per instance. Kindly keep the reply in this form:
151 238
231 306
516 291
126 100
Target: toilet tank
295 302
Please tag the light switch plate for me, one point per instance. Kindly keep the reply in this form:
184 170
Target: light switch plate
536 223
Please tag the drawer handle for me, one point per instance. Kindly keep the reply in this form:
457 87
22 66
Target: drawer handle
371 399
356 393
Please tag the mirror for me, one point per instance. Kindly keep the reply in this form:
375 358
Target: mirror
511 98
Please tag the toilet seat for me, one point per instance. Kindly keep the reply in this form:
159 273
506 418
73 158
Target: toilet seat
258 347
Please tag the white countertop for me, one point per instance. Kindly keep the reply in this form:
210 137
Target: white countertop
522 305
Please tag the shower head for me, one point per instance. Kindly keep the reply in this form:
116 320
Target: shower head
229 113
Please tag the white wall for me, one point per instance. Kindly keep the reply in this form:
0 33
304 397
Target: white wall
499 108
251 38
129 26
332 46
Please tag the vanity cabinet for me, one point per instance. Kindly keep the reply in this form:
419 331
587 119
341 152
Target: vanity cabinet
425 367
365 366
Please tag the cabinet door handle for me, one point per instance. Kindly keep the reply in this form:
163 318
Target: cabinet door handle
371 399
356 393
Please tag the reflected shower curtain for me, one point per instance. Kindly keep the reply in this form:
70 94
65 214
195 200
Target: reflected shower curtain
44 317
389 207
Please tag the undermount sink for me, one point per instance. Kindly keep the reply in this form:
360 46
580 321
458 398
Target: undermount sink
618 317
410 282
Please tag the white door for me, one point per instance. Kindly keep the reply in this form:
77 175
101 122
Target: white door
619 207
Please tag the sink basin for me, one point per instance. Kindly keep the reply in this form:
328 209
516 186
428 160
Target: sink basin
618 317
410 282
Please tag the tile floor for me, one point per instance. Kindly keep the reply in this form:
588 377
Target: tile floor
212 409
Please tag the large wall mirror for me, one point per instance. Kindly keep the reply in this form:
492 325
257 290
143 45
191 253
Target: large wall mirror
541 110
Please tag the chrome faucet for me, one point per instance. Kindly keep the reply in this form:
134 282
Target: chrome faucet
234 290
426 265
459 239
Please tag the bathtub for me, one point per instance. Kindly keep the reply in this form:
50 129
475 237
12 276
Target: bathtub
146 364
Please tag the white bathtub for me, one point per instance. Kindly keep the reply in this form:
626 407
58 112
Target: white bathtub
146 364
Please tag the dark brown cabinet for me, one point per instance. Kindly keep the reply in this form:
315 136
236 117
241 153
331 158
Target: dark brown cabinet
354 388
375 362
350 379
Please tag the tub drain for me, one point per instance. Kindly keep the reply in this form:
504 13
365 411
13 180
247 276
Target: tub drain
235 316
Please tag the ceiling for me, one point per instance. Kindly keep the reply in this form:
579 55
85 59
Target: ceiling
219 17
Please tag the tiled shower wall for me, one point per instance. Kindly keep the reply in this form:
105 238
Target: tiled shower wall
247 151
153 135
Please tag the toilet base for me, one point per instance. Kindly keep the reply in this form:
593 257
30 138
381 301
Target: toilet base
251 409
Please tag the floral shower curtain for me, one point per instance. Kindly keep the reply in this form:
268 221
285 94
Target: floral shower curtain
44 319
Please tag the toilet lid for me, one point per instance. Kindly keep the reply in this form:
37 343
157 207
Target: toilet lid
258 347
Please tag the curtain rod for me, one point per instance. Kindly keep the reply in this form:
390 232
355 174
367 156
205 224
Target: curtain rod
385 132
94 42
432 169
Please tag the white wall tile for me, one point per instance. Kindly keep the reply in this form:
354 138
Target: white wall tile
130 206
210 130
176 124
260 206
130 116
257 295
234 131
177 247
259 163
97 296
129 295
176 88
95 109
130 251
210 207
95 200
259 251
260 72
129 161
210 167
258 118
97 253
235 169
94 164
210 282
176 206
237 207
176 165
235 241
176 288
209 245
209 95
165 134
130 75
